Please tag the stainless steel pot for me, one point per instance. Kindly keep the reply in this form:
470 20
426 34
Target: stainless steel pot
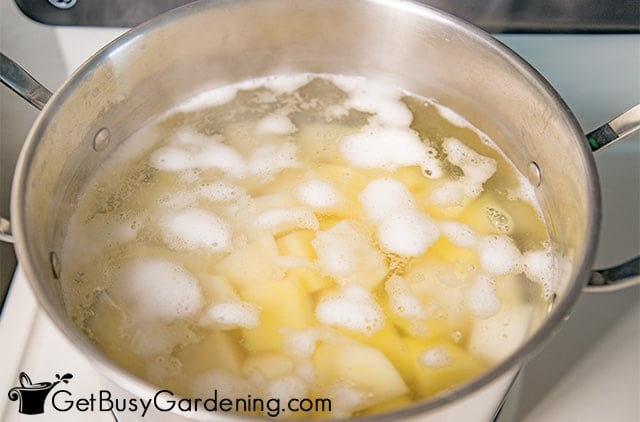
213 43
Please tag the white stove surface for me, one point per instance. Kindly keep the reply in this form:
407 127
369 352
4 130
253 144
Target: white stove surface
590 371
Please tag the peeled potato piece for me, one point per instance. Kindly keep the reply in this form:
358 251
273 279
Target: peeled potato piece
251 264
284 304
363 367
440 365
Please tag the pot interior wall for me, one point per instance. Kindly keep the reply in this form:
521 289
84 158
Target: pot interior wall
206 45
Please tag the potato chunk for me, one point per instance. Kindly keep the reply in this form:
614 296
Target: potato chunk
251 264
284 304
362 367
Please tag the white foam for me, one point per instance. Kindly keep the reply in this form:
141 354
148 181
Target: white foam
476 169
287 387
220 191
271 159
177 199
301 343
353 308
402 300
388 148
380 99
384 103
336 111
192 140
540 267
225 383
287 84
189 176
171 159
317 194
215 97
450 194
218 156
157 288
499 254
457 120
275 124
401 228
384 197
346 399
348 256
278 220
335 258
451 116
408 233
192 150
436 357
230 315
481 299
196 229
160 369
459 234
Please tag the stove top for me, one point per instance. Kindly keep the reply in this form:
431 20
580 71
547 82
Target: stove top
493 15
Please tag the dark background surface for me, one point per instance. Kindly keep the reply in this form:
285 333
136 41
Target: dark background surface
498 16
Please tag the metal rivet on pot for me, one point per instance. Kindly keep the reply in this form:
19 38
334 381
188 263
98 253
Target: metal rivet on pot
55 264
534 174
102 139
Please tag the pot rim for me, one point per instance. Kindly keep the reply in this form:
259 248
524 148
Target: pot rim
143 388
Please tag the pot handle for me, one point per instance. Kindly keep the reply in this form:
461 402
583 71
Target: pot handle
22 83
619 277
627 273
616 129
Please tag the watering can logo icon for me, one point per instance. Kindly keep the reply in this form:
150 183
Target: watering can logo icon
32 396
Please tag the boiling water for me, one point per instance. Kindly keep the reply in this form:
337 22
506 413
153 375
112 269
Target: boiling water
308 236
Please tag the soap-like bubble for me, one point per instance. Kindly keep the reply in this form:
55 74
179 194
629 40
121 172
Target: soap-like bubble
157 288
353 308
230 315
481 299
196 229
317 194
436 357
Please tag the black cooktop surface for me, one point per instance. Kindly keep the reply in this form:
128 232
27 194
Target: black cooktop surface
498 16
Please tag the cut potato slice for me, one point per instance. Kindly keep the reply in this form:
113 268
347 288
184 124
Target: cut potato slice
362 367
311 279
390 342
297 243
495 338
217 289
440 365
349 182
269 364
111 329
440 287
284 304
349 256
252 264
414 179
216 350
